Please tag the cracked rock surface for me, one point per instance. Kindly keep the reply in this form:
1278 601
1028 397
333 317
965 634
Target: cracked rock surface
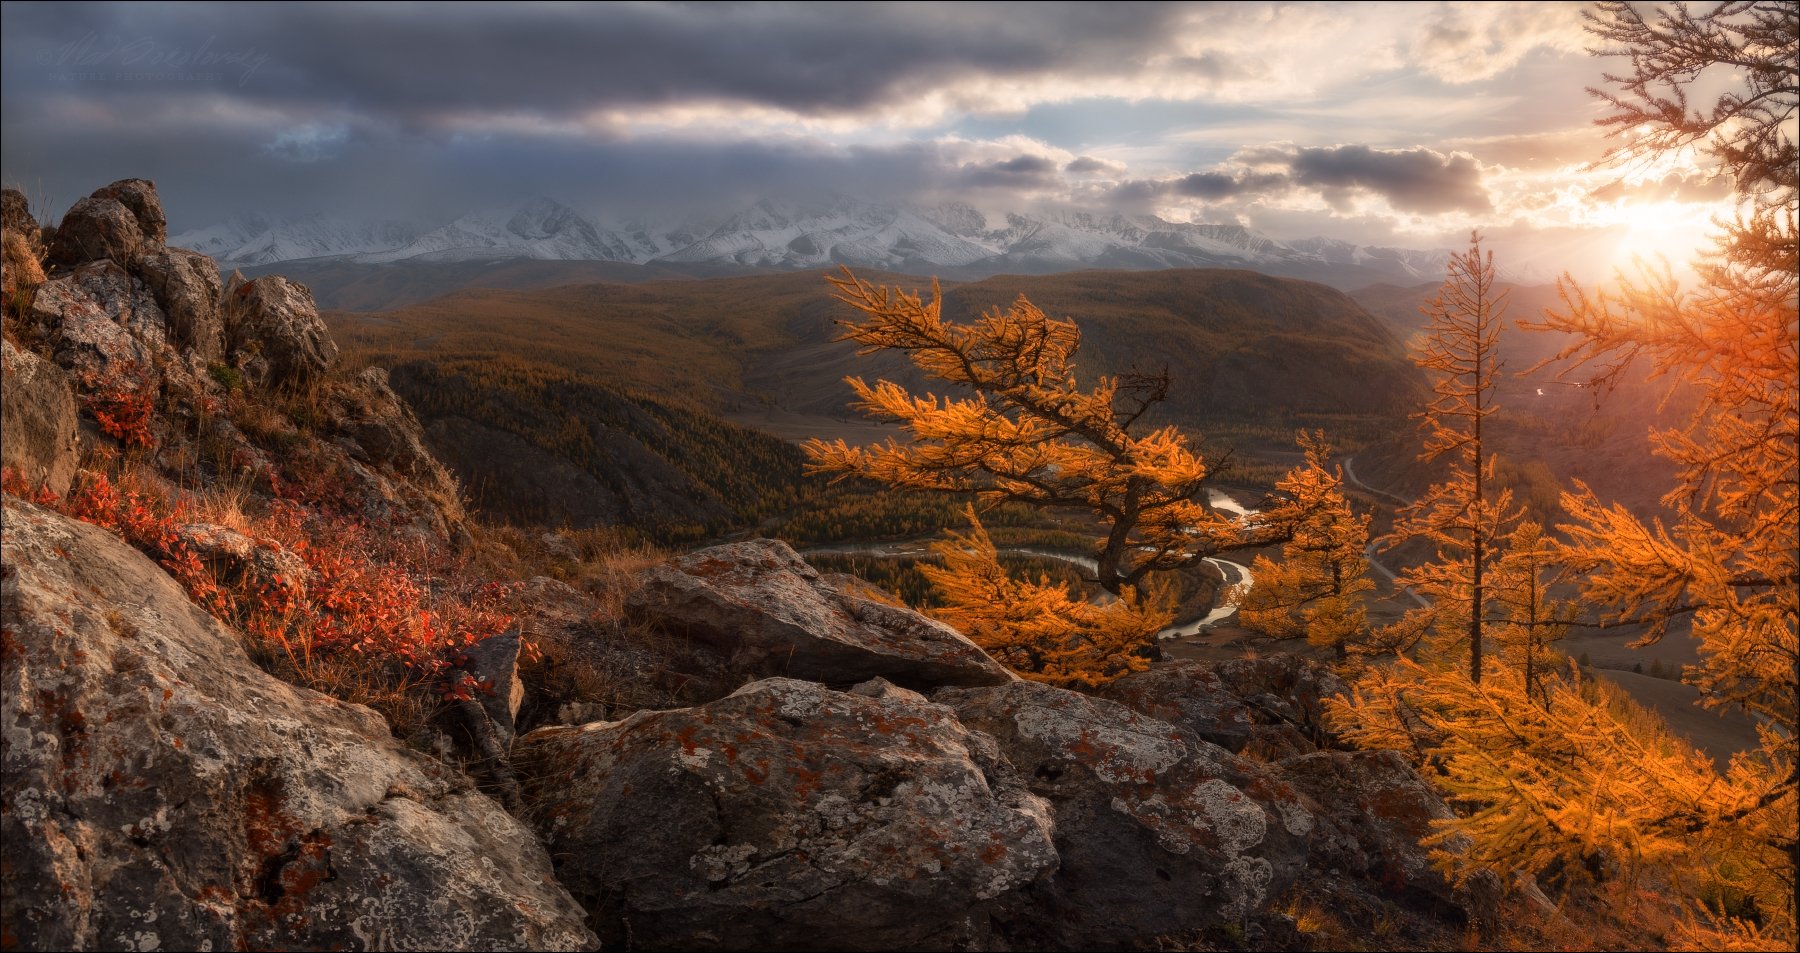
788 816
168 794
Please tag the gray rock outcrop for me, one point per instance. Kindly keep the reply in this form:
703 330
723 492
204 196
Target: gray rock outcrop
788 816
103 322
275 319
187 286
39 431
1158 832
97 228
162 792
760 602
140 198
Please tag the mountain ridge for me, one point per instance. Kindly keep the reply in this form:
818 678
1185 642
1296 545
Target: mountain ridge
952 239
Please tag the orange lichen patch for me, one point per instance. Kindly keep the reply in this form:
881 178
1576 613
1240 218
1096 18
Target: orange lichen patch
310 867
709 568
267 830
994 852
805 781
1084 748
1265 788
757 773
213 893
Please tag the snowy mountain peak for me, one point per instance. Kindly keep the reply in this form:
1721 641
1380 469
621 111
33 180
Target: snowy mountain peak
789 231
963 221
257 240
543 218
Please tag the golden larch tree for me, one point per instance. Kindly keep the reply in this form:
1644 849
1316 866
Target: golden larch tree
1727 558
1467 513
1028 432
1040 629
1581 771
1025 430
1315 591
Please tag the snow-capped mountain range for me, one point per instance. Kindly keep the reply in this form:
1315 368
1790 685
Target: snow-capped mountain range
951 239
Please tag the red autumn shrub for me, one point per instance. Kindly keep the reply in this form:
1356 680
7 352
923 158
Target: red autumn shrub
376 617
122 402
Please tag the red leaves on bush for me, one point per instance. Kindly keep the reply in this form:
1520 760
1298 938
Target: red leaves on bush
397 612
122 402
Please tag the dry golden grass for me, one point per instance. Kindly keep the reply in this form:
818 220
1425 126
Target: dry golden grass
23 265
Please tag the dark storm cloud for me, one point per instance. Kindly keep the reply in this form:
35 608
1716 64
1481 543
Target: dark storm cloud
1205 186
1019 172
1214 185
1083 165
416 63
206 176
386 108
1412 180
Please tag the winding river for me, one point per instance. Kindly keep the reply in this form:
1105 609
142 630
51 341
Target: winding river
1238 579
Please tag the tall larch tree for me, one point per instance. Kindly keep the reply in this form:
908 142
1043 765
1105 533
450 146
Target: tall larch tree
1728 559
1582 772
1467 513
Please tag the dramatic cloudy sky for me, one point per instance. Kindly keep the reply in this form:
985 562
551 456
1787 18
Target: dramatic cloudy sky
1406 124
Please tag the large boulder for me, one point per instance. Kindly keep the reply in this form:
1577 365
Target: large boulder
1158 831
97 228
761 602
1267 708
274 320
139 196
39 432
116 223
787 816
161 792
186 284
103 323
1382 809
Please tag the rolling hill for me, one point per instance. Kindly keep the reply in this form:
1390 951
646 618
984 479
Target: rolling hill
607 402
1236 343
